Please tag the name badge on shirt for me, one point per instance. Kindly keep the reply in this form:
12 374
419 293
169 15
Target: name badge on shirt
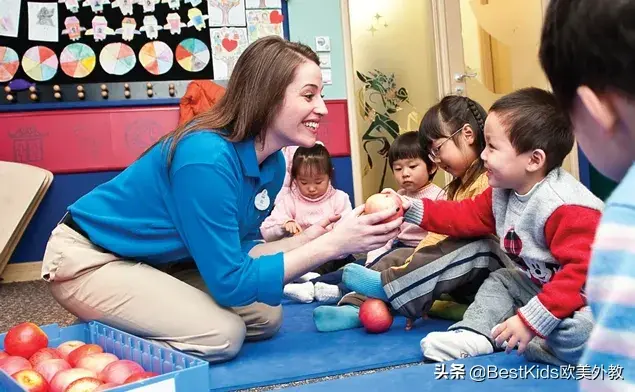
262 200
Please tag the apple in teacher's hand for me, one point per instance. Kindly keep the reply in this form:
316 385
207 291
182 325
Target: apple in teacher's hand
31 380
119 371
24 340
96 362
82 351
384 201
43 354
49 368
68 346
85 384
14 364
63 379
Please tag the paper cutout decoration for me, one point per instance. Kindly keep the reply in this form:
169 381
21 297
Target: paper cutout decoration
263 4
151 26
125 6
9 17
148 5
193 2
192 55
226 12
117 58
173 4
156 57
128 29
73 29
174 23
71 5
43 21
100 28
9 63
77 60
96 5
261 23
197 19
40 63
228 43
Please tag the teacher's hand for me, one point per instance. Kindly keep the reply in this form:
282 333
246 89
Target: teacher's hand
325 225
357 233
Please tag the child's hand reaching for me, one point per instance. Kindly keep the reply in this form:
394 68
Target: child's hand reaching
515 332
405 201
292 227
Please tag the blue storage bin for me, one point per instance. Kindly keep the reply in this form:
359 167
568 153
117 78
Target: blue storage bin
178 371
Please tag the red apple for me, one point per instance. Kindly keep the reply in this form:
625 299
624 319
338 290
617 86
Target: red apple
63 379
106 386
3 354
82 351
43 354
384 201
96 362
24 340
375 316
31 380
140 376
67 347
14 364
49 368
85 384
119 371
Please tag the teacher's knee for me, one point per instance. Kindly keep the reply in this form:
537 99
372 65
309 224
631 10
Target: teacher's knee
264 322
224 339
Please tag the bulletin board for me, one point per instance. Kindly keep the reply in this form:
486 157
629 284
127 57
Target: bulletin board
79 51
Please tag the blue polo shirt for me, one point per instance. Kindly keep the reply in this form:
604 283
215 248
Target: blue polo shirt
203 209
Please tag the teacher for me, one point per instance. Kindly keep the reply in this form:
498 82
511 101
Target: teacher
168 249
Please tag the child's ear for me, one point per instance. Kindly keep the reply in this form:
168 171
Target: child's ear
599 107
537 161
468 134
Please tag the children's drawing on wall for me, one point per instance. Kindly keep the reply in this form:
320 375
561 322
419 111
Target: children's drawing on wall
261 23
226 12
379 99
43 24
227 45
263 4
9 17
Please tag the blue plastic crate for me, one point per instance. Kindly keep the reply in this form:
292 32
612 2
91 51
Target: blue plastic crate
178 371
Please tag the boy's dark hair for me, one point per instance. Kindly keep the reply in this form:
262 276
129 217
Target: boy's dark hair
312 160
588 42
408 146
535 120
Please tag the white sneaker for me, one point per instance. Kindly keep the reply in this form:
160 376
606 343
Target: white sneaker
455 344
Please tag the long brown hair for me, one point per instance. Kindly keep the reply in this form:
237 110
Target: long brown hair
450 114
254 94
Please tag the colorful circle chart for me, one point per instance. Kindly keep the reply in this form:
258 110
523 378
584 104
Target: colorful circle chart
156 57
117 58
9 63
40 63
77 60
192 55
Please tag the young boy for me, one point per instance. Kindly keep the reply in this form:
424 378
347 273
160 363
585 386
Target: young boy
546 222
588 54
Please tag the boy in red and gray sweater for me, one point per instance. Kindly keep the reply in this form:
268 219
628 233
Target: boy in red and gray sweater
545 221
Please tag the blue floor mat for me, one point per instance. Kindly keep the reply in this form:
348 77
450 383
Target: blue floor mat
480 374
300 352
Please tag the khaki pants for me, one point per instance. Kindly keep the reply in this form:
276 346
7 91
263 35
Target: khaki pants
174 311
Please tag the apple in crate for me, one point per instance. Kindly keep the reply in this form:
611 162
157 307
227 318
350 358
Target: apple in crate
31 380
106 386
140 376
24 340
84 384
82 351
67 347
384 201
96 362
63 379
49 368
43 354
14 364
119 371
3 354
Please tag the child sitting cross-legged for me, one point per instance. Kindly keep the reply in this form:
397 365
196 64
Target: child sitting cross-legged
546 222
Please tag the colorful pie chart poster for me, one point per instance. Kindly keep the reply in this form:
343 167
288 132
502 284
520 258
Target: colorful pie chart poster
192 55
117 58
40 63
77 60
156 57
9 63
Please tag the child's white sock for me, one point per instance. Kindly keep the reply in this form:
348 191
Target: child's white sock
299 292
455 344
328 293
307 277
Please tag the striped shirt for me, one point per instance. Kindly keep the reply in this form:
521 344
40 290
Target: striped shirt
610 292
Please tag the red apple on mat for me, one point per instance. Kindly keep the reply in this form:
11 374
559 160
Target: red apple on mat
384 201
43 354
49 368
14 364
3 354
63 379
82 351
96 362
375 316
119 371
24 340
67 347
31 380
140 376
85 384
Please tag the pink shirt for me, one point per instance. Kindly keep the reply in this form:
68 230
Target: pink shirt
304 211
